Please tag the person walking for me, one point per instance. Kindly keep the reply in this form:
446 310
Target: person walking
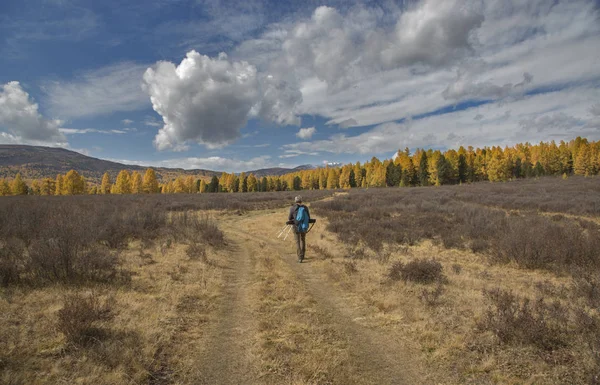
300 235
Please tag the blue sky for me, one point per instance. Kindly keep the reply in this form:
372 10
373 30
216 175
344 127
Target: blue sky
233 86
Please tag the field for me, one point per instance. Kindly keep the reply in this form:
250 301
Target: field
483 283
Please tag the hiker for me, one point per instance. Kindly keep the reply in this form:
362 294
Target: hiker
299 232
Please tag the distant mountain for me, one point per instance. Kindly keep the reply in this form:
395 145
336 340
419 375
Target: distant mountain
34 162
278 171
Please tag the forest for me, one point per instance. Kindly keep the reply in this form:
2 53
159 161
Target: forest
421 168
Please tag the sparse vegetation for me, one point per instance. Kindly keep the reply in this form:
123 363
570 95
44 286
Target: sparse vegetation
418 270
115 289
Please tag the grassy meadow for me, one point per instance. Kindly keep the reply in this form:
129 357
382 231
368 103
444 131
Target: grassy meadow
474 283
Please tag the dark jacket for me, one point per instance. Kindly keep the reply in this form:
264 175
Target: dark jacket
294 210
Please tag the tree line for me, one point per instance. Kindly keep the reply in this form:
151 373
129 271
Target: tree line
421 168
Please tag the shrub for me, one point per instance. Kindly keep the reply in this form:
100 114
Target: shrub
82 317
12 261
196 251
196 228
418 270
318 250
350 267
432 297
521 321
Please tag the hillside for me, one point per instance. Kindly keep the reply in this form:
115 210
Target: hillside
279 171
35 162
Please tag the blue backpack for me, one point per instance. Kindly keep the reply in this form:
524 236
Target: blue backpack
302 219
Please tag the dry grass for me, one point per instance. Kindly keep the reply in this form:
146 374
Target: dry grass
295 343
134 298
494 320
143 334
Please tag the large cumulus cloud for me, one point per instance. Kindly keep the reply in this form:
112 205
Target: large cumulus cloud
21 121
204 100
341 49
208 100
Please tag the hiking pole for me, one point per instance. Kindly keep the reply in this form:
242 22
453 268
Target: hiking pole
288 232
282 230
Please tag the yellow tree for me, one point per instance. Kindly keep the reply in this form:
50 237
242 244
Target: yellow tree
498 169
583 161
179 186
136 183
36 188
4 188
150 182
122 184
252 183
48 187
202 186
73 184
18 186
332 179
58 189
106 183
190 184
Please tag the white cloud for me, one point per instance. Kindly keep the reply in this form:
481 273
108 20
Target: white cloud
306 133
295 153
80 131
559 115
347 123
152 122
202 100
466 88
213 163
127 122
104 91
22 122
279 101
364 66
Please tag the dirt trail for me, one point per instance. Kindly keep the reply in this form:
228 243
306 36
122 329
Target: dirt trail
375 355
225 358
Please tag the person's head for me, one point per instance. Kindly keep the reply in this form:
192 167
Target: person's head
298 199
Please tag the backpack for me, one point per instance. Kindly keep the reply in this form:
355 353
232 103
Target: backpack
302 219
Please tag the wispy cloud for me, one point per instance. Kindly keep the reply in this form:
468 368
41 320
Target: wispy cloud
214 163
103 91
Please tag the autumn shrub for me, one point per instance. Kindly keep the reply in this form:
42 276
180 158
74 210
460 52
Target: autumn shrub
196 251
447 216
84 318
522 321
12 261
538 242
350 267
419 270
197 228
431 297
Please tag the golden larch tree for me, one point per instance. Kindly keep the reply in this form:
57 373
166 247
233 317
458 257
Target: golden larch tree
18 186
48 187
106 184
58 186
137 186
73 184
150 182
123 183
4 188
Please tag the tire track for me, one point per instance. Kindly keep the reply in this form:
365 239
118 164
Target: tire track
373 354
225 358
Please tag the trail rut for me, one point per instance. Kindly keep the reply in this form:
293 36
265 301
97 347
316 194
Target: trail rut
225 359
376 356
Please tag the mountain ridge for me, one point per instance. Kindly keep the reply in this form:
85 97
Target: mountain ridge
36 162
